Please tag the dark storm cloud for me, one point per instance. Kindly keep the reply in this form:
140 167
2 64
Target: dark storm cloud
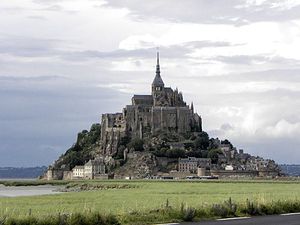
208 11
38 117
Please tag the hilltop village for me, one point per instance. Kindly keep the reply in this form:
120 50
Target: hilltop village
157 136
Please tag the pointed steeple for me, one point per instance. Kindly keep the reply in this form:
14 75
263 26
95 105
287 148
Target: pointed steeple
192 107
157 80
157 64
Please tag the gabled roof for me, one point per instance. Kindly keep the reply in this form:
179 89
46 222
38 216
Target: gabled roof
89 163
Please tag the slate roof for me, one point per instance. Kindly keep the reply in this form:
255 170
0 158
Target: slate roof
142 97
158 81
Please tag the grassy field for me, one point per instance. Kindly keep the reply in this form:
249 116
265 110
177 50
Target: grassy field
142 196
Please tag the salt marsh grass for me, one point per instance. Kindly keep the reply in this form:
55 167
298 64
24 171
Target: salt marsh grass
159 201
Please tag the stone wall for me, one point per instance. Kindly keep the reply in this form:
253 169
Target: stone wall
233 173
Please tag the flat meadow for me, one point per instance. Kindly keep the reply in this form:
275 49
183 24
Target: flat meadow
127 197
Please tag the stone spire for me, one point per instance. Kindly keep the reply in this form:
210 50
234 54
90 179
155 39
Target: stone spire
157 64
157 80
192 107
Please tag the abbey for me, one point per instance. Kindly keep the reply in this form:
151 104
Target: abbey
162 111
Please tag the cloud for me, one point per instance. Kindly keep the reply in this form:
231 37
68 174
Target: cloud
211 11
11 10
27 46
36 113
255 59
59 71
282 129
33 47
26 78
42 18
283 75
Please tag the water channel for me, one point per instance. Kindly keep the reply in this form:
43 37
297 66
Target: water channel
13 191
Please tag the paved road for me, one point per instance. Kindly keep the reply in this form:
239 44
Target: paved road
288 219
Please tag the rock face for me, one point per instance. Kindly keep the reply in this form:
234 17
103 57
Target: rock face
138 165
162 111
144 165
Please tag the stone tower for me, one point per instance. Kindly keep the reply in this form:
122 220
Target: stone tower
158 85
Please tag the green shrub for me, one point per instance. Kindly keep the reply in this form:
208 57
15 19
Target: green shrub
232 207
23 221
213 154
228 208
77 219
175 153
137 144
251 209
219 210
111 220
188 214
73 219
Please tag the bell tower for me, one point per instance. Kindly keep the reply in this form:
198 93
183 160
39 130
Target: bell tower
157 84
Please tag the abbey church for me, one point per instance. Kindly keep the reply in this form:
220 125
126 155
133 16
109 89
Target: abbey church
162 111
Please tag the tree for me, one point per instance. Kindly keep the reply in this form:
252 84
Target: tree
202 141
124 140
120 153
161 152
175 153
213 154
195 153
226 142
213 144
137 144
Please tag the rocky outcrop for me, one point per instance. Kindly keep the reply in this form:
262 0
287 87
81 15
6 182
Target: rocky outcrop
138 165
86 147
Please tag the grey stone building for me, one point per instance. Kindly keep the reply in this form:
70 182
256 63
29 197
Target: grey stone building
162 111
191 164
93 168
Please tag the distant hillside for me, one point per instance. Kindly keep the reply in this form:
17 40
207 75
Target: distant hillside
25 173
291 170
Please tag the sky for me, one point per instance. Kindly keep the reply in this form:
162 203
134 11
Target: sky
65 62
